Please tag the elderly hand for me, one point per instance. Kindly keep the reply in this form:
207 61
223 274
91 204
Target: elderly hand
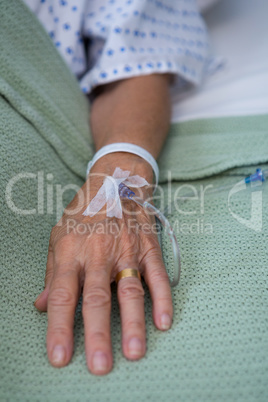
87 260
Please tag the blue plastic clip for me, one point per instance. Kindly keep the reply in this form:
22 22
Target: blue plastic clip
125 192
258 175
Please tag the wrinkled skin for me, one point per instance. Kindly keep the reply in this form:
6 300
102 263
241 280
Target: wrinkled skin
85 259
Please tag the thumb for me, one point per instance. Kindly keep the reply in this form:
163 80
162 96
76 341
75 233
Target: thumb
41 300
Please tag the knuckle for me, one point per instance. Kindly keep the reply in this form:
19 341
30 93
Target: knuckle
48 276
95 273
153 245
99 336
165 301
130 251
135 326
67 241
131 290
99 297
158 276
61 297
60 330
154 250
153 256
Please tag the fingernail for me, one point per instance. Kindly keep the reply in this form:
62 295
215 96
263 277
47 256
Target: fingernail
100 361
165 321
58 354
135 346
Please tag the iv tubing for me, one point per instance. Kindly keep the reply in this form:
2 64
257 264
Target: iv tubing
258 176
125 192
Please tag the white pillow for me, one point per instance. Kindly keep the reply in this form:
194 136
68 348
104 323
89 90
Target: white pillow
204 5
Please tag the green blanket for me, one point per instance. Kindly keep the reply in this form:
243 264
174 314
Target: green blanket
218 346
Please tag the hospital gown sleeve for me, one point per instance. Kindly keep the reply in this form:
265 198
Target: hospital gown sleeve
127 38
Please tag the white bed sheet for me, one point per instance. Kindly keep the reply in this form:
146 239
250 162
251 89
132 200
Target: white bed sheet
239 34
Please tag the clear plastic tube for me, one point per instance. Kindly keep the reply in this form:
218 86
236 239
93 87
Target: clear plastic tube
258 176
126 192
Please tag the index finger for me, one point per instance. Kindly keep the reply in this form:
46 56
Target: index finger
62 300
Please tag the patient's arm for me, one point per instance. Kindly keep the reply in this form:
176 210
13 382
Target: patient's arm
136 110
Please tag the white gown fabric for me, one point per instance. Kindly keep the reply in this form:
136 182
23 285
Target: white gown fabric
107 40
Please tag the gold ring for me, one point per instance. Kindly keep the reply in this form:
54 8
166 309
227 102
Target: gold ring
126 273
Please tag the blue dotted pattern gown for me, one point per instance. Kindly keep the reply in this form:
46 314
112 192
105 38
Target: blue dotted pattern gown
127 38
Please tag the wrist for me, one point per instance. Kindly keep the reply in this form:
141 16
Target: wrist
106 165
126 161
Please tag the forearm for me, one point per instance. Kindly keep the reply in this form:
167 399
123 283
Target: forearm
88 260
136 110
